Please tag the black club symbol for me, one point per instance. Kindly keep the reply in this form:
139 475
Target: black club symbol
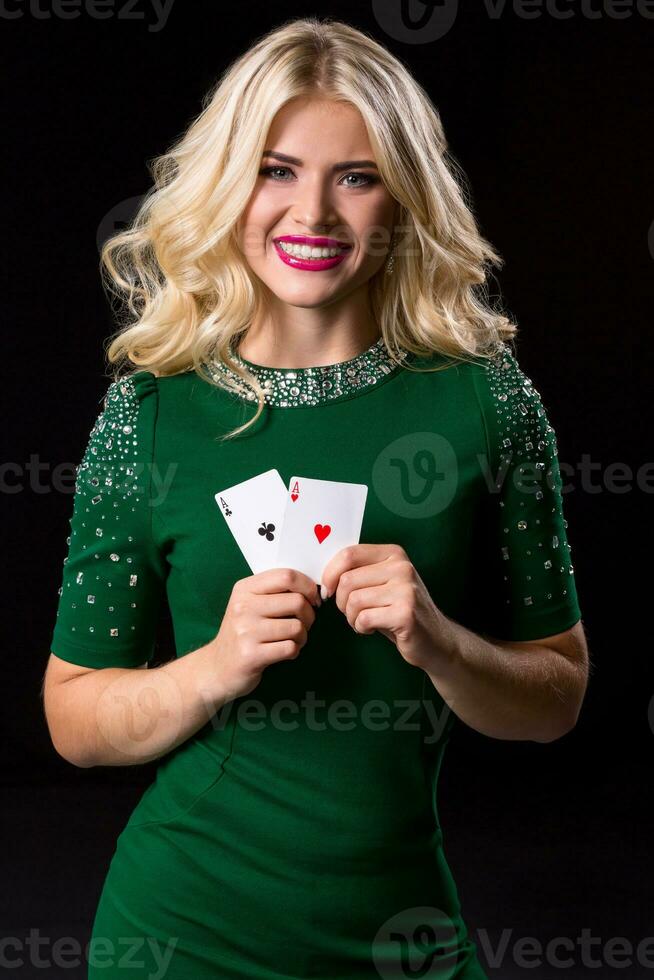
266 530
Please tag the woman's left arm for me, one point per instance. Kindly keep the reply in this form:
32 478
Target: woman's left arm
529 690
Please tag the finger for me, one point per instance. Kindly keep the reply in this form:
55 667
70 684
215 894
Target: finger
273 630
360 578
277 650
375 619
366 601
283 605
352 557
283 580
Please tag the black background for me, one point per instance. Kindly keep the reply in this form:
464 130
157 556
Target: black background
551 119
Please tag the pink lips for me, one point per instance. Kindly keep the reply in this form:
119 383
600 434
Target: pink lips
312 265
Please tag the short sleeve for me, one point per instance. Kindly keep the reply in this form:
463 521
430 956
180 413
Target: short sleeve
527 587
114 576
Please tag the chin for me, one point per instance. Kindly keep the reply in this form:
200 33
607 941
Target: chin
303 296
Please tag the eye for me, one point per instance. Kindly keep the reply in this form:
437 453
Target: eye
268 171
366 179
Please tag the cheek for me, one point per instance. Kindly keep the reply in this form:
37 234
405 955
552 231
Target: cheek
253 237
256 224
372 225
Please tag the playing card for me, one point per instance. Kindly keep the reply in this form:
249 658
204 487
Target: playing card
253 511
320 518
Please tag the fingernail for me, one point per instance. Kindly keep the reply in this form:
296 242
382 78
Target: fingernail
324 594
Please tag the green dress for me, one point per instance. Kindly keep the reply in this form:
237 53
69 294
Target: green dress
297 833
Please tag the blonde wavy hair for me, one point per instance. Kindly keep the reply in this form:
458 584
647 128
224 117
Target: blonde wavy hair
187 292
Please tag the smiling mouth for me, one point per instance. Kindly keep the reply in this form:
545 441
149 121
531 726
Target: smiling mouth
317 249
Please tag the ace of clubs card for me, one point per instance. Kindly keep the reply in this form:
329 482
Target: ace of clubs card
254 511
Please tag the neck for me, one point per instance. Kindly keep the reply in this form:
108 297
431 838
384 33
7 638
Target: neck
302 337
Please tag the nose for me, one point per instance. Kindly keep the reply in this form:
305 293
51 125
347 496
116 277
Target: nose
313 206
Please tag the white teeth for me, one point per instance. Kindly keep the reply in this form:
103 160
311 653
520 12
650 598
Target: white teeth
310 252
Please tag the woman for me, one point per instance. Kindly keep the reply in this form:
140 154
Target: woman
302 838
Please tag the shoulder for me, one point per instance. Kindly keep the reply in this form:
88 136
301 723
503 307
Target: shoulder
507 385
129 390
514 409
139 400
123 431
498 376
127 401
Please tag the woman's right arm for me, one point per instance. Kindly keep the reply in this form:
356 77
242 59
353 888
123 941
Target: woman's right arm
101 707
116 716
121 716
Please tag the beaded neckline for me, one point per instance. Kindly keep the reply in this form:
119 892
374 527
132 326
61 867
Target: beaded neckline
291 387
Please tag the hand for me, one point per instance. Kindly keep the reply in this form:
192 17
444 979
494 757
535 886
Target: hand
267 619
379 589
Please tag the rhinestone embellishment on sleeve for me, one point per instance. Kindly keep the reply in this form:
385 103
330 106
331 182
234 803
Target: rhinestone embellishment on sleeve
528 438
286 388
106 483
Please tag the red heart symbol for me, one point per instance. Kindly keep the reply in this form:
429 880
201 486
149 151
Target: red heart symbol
294 496
322 531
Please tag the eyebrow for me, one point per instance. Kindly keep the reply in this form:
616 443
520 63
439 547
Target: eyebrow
345 165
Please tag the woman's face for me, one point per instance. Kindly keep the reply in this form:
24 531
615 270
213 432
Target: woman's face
317 181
